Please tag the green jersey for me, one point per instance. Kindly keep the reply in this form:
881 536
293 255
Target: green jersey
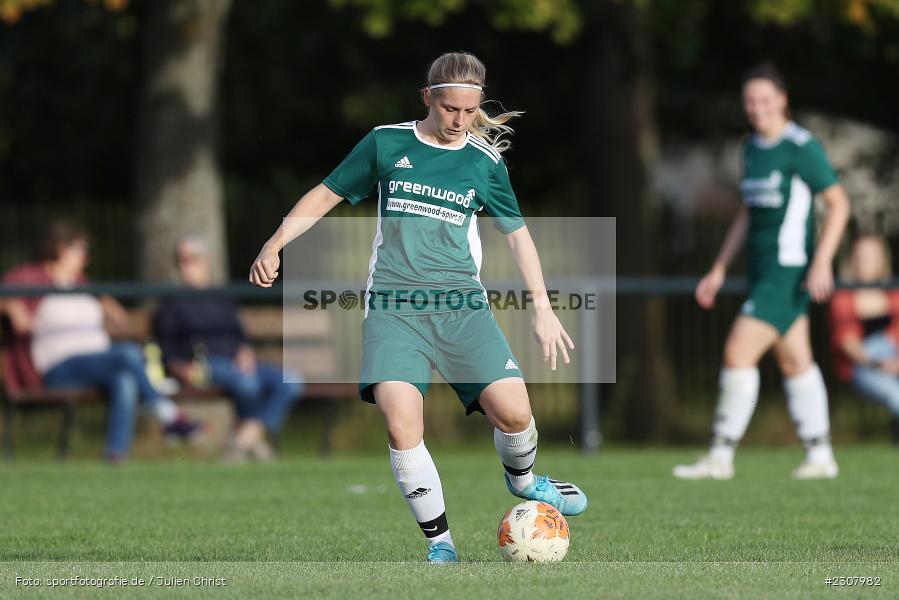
426 254
779 181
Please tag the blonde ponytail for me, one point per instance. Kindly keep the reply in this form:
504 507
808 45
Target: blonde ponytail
462 67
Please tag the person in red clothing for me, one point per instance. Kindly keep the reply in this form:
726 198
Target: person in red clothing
865 325
60 341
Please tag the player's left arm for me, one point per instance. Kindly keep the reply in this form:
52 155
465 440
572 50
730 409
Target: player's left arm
548 330
820 274
814 168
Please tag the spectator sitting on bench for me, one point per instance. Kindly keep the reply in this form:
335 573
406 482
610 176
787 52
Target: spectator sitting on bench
197 330
865 325
61 341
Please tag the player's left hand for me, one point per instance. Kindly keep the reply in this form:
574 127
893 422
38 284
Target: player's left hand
551 336
819 282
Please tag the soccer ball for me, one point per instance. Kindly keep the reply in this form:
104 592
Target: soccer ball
533 532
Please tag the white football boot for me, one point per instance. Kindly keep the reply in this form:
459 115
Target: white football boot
817 470
705 468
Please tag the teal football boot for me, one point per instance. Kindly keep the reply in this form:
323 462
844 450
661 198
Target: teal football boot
442 553
566 497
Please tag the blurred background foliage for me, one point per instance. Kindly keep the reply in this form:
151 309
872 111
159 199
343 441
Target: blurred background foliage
302 81
94 126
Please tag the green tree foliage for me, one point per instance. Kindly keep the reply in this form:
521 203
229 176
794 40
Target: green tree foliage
561 17
862 13
303 81
12 10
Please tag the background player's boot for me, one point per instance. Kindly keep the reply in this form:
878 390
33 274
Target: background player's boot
566 497
705 468
441 553
816 470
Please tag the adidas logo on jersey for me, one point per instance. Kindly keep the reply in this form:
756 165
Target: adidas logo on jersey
403 163
510 365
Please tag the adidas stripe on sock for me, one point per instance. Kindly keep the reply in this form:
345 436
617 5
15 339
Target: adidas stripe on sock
807 402
738 395
419 483
517 451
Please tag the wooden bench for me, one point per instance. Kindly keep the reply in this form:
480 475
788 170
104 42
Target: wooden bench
310 341
868 411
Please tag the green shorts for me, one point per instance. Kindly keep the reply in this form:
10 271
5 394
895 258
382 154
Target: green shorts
778 297
466 347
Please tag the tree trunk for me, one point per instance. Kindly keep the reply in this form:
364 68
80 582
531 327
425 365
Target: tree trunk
178 182
621 142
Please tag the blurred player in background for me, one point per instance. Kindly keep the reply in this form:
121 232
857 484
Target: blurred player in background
783 168
865 325
426 307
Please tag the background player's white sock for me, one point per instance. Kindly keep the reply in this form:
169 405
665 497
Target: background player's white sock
737 397
419 483
807 402
518 452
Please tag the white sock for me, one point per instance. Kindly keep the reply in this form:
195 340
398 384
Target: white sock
807 402
419 483
165 411
737 397
517 451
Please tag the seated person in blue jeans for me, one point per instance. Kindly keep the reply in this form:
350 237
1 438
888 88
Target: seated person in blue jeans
61 341
193 330
865 325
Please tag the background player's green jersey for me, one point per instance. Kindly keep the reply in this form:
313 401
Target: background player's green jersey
426 255
779 181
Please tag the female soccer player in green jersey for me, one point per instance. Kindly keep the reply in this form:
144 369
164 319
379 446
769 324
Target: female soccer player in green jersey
784 167
425 306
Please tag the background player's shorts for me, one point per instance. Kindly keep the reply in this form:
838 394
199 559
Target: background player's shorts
778 297
466 347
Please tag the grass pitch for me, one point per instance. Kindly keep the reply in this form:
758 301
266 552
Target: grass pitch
316 528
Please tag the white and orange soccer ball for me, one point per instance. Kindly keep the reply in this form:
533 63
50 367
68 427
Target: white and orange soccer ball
533 532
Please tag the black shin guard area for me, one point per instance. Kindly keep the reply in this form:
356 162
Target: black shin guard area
435 527
518 472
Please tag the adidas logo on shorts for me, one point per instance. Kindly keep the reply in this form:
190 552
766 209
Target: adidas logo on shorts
510 365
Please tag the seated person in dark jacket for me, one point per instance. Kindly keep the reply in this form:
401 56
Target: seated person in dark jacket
202 341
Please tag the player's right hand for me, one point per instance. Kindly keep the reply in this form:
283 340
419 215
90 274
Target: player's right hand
265 268
708 287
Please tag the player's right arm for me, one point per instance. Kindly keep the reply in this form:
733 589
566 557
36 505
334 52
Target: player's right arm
709 285
315 204
354 179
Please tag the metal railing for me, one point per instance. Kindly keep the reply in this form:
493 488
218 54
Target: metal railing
692 361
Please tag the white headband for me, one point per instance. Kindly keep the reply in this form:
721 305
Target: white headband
461 85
